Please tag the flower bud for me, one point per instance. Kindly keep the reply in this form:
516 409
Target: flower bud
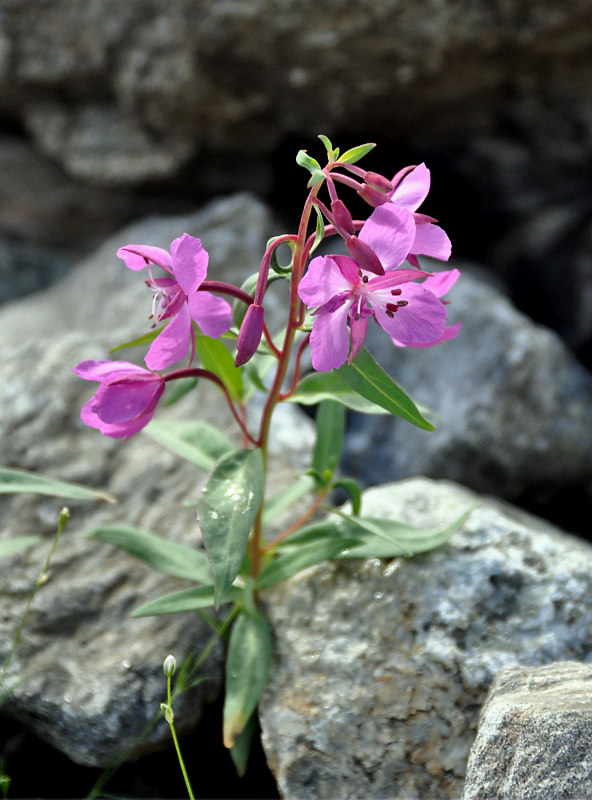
372 197
170 666
342 219
249 335
378 182
364 255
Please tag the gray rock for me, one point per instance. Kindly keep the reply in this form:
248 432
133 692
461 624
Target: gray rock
380 668
129 92
535 735
512 405
85 676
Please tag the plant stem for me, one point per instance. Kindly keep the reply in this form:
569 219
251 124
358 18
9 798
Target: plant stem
169 719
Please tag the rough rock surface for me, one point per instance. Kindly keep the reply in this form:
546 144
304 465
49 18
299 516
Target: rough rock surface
513 406
85 676
124 92
380 668
535 735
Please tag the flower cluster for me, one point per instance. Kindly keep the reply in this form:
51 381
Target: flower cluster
380 279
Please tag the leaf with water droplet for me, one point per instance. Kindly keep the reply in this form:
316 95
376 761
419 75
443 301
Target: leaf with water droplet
227 509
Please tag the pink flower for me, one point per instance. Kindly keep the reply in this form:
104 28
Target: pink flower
126 399
439 284
409 193
411 187
177 297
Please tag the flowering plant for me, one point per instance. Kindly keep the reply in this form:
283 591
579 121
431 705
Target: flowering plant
332 299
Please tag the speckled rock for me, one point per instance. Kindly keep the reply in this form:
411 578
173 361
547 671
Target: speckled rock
535 736
380 668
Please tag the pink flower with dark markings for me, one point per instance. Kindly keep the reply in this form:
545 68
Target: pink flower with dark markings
126 399
176 298
439 284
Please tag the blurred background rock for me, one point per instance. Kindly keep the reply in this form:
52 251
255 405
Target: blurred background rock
111 110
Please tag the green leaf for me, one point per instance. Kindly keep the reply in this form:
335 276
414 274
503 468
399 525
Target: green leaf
282 500
196 441
17 545
352 487
369 380
302 557
145 338
275 265
319 386
387 538
16 481
356 153
247 669
163 555
216 357
330 430
239 752
306 161
320 231
186 600
227 509
179 389
316 177
327 142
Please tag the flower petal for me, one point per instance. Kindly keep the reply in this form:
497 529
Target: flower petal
106 370
329 340
323 280
190 262
358 328
389 231
123 401
413 189
172 343
123 431
212 314
421 321
136 256
440 283
431 240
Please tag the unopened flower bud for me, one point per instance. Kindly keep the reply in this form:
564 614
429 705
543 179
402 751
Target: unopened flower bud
364 255
249 335
378 182
372 197
342 219
170 666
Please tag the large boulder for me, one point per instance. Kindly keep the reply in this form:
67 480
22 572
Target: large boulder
380 668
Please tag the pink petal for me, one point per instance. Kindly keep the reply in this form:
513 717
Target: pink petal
430 240
450 332
123 431
106 370
136 255
413 189
212 314
421 321
389 231
323 281
172 343
329 340
190 262
358 328
394 278
123 401
440 283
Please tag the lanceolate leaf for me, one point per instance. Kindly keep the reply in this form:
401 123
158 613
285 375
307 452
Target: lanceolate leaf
192 599
368 379
239 752
247 668
227 509
306 161
352 487
216 357
161 554
17 481
330 429
145 338
18 545
196 441
319 386
302 557
356 153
